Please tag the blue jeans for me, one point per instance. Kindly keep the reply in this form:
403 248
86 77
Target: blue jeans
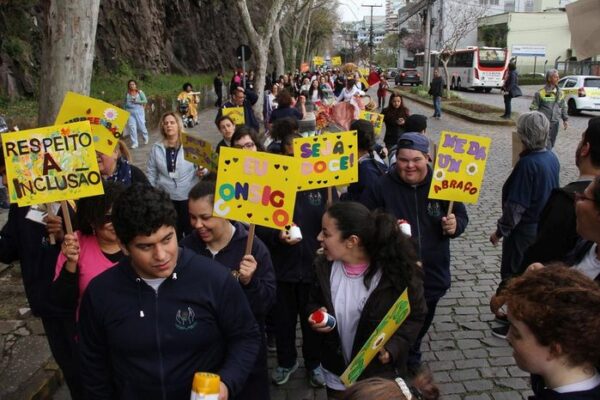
437 106
137 121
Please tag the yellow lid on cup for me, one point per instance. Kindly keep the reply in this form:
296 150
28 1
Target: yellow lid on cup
206 383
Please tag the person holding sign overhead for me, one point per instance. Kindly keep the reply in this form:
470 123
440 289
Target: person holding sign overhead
366 264
167 169
225 241
404 192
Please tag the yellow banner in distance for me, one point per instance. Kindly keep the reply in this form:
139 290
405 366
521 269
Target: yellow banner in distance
256 187
53 163
459 167
395 317
375 118
335 61
318 60
108 121
236 114
326 160
199 152
364 72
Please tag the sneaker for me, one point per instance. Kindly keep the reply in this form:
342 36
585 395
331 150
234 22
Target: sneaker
316 378
145 140
135 146
281 375
501 331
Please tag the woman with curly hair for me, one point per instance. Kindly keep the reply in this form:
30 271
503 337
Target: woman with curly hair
366 265
555 321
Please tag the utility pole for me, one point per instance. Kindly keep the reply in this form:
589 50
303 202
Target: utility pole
427 55
371 45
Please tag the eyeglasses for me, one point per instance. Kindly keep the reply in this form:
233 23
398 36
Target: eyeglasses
580 197
246 146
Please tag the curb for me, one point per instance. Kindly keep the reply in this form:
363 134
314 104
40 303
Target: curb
448 108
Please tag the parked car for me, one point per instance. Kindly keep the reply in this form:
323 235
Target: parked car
582 93
391 73
408 76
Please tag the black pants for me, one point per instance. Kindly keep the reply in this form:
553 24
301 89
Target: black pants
507 105
60 333
292 299
183 218
414 354
257 385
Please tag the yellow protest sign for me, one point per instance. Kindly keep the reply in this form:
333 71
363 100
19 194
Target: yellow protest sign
199 152
396 315
375 118
108 121
459 167
236 114
256 187
326 160
336 61
318 60
51 164
364 71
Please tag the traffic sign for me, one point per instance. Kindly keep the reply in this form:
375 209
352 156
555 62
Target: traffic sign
243 52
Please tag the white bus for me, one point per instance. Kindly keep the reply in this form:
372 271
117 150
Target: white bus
479 68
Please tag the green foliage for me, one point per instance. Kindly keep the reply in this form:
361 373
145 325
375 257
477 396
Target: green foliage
493 35
531 80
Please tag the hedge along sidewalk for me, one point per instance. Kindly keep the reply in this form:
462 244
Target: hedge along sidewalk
457 108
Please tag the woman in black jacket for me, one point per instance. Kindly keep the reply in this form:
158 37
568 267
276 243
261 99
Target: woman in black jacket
366 265
510 89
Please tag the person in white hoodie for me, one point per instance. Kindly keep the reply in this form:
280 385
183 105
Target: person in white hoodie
167 169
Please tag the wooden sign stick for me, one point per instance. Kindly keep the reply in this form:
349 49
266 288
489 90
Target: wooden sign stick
50 211
450 207
250 241
66 216
329 196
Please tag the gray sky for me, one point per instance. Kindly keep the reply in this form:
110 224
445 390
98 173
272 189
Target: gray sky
351 10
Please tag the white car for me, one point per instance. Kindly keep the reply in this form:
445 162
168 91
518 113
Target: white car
582 93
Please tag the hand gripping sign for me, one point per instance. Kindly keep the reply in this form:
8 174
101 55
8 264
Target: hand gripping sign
459 167
256 187
51 164
107 121
326 160
396 315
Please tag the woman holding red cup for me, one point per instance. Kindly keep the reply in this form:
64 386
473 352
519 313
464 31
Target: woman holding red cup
366 265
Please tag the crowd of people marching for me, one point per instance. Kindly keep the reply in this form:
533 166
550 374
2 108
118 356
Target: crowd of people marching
151 287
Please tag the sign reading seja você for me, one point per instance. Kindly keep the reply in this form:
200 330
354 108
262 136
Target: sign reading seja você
51 164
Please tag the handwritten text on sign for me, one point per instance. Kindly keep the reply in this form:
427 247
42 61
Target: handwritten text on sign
375 118
459 167
107 120
199 152
256 187
327 160
236 114
51 164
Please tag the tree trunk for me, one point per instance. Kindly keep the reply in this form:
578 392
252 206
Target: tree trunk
307 31
68 42
447 74
259 43
278 50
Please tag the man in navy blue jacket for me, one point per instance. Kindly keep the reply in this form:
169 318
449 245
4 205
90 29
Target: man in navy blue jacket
162 313
242 98
403 192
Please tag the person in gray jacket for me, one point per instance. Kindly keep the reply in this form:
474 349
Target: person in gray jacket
550 101
168 170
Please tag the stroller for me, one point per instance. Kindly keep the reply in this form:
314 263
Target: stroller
184 108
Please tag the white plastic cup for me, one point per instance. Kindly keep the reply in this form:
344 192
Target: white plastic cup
295 233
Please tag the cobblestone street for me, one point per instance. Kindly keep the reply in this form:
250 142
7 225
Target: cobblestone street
468 362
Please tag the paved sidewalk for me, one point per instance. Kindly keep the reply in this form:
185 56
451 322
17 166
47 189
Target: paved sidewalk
467 361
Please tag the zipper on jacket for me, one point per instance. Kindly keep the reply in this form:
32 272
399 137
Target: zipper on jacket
418 222
160 358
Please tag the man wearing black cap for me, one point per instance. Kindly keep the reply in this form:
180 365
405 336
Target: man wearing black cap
403 192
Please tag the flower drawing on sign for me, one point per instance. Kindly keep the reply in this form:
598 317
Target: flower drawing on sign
111 114
472 169
439 175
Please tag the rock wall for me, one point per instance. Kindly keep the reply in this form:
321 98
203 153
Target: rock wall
158 36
